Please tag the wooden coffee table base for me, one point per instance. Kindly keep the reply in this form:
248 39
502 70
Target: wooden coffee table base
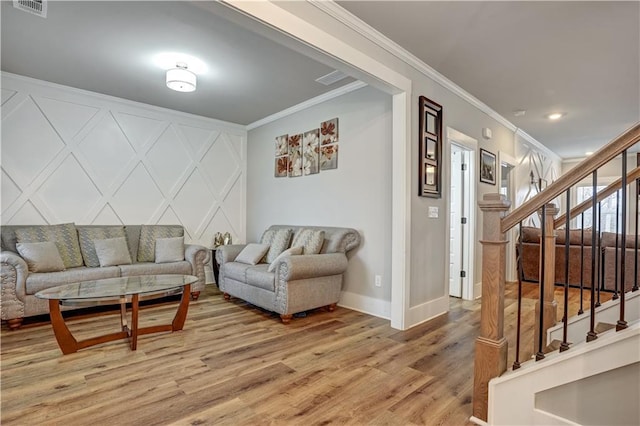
68 344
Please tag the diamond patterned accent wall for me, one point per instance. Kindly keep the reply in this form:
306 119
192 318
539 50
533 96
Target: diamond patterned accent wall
74 156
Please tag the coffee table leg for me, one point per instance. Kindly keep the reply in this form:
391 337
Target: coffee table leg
181 314
68 344
134 322
123 315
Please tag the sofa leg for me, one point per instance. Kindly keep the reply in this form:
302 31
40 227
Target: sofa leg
332 307
14 323
195 295
286 319
226 296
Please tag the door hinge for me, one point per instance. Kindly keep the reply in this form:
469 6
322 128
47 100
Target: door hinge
464 167
463 274
463 220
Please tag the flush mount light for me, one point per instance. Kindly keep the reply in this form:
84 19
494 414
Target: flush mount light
588 153
555 115
181 79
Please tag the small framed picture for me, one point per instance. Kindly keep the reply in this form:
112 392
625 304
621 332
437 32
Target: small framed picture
487 167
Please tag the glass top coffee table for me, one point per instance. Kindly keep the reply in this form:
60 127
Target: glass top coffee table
113 291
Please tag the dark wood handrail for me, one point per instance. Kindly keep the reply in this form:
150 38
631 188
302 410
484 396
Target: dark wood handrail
575 175
586 204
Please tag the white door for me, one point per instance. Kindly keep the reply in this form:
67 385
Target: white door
456 232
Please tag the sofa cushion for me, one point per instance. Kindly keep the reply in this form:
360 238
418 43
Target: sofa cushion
278 241
609 240
41 257
252 253
112 251
148 236
169 249
293 251
39 281
236 271
575 236
88 234
310 239
259 276
65 236
151 268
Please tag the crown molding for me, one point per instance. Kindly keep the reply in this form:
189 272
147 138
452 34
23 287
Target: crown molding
347 88
365 30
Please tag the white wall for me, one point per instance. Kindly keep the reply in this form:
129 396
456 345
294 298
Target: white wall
422 288
70 155
357 194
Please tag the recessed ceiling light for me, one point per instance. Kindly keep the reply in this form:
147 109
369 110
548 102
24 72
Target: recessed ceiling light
519 112
555 115
588 153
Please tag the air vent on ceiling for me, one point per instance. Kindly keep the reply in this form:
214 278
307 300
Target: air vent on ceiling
36 7
331 78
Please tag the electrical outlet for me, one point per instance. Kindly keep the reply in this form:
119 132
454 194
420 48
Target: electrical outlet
433 212
378 281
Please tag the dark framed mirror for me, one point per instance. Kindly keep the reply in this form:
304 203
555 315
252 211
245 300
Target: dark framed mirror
430 140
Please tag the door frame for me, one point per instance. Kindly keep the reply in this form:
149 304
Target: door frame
471 290
511 274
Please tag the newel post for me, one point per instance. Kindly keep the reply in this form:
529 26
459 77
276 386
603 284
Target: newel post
548 279
491 346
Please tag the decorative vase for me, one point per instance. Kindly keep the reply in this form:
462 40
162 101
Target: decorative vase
226 238
217 240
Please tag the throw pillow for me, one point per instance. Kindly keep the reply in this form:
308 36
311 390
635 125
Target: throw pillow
65 236
88 235
310 239
278 241
252 253
113 251
148 236
293 251
169 250
41 257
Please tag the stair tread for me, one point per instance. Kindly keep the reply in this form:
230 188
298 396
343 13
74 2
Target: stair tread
601 327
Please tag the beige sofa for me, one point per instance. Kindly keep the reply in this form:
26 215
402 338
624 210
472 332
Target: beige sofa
298 283
19 285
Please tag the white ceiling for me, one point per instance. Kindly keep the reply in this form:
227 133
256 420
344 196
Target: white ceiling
582 58
108 47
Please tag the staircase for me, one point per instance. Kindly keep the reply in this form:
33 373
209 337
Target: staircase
594 353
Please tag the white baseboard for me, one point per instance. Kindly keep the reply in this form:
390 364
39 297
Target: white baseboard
369 305
477 290
426 311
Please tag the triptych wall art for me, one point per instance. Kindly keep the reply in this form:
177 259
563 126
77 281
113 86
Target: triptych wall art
309 152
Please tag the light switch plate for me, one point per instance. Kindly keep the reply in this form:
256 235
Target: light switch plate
433 212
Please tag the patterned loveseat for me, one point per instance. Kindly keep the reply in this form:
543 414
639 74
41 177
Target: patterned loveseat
76 248
288 284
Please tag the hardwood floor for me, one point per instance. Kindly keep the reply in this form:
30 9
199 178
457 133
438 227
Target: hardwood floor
236 364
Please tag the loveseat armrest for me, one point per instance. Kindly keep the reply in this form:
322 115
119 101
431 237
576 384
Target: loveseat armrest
228 253
197 256
13 278
311 266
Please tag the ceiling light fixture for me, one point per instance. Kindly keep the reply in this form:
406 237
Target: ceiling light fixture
556 115
588 153
181 79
